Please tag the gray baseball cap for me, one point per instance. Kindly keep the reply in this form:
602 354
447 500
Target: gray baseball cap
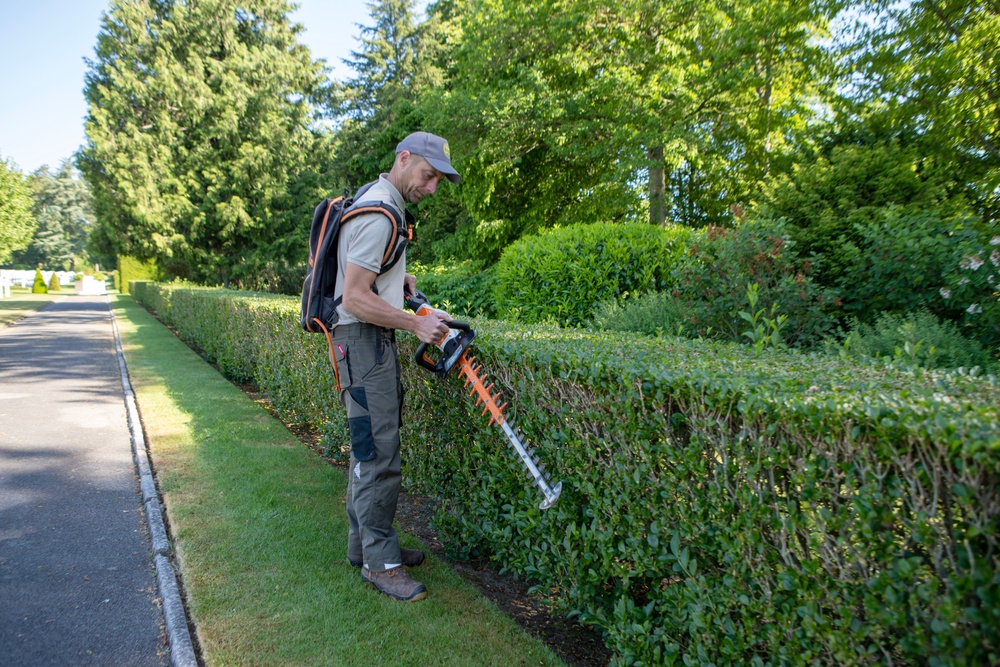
432 148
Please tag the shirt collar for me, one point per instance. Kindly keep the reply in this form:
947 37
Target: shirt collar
397 199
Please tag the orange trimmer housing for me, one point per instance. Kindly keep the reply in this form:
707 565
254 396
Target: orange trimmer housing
451 346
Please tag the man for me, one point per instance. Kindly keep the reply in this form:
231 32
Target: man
368 365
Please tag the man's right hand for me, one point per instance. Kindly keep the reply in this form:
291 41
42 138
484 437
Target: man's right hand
432 327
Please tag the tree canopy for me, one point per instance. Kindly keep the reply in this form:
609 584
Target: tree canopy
17 223
207 149
61 204
930 69
199 141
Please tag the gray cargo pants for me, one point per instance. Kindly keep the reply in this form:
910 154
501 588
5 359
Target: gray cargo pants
372 394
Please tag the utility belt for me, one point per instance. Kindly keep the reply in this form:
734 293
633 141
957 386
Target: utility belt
358 330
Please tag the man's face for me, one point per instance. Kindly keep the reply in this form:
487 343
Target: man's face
418 178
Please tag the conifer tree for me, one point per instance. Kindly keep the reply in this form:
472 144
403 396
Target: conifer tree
376 107
39 285
198 133
62 207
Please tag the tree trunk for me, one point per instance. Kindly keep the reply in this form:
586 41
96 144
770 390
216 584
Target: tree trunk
657 187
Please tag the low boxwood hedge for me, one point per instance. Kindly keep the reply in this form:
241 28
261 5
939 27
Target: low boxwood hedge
719 507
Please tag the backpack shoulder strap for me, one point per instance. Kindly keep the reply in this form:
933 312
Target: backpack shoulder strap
400 224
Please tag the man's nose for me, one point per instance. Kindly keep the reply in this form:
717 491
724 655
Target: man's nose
432 186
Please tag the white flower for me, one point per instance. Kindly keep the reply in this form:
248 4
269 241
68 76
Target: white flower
945 292
974 308
995 240
963 281
995 257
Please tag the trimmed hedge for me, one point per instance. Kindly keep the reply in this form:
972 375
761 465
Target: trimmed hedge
131 269
718 507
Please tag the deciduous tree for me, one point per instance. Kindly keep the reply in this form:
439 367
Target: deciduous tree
631 109
931 68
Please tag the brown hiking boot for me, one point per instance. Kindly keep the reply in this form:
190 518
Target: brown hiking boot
395 583
410 558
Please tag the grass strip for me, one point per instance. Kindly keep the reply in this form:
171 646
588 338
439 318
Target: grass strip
20 303
260 534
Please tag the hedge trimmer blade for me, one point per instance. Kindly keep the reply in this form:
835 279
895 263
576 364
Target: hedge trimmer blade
454 352
485 396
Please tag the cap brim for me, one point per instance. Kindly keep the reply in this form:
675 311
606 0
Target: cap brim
445 169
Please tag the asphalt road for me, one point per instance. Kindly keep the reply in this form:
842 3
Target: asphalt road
77 581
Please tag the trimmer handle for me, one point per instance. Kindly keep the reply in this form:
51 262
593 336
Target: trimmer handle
415 301
451 346
448 356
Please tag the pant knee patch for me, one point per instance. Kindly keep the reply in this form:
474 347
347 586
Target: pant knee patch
362 440
359 396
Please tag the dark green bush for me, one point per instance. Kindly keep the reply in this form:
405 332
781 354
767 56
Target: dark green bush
826 198
773 509
899 261
563 274
274 276
920 339
464 289
711 282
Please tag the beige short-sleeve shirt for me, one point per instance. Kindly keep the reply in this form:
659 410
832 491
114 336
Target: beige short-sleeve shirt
362 242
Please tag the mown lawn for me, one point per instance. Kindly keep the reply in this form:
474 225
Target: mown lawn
260 534
22 302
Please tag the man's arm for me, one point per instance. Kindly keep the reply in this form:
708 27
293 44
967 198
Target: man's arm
359 300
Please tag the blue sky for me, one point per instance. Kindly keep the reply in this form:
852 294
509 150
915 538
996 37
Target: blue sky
42 47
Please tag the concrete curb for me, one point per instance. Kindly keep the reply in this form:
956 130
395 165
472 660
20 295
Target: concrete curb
182 652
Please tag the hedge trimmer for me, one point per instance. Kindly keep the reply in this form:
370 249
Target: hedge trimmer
453 348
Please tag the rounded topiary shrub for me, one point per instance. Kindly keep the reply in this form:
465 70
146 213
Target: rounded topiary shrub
562 275
39 285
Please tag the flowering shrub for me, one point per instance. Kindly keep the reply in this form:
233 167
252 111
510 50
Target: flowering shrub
972 285
899 261
711 282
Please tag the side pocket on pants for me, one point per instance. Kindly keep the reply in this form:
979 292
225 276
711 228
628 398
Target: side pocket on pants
355 400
